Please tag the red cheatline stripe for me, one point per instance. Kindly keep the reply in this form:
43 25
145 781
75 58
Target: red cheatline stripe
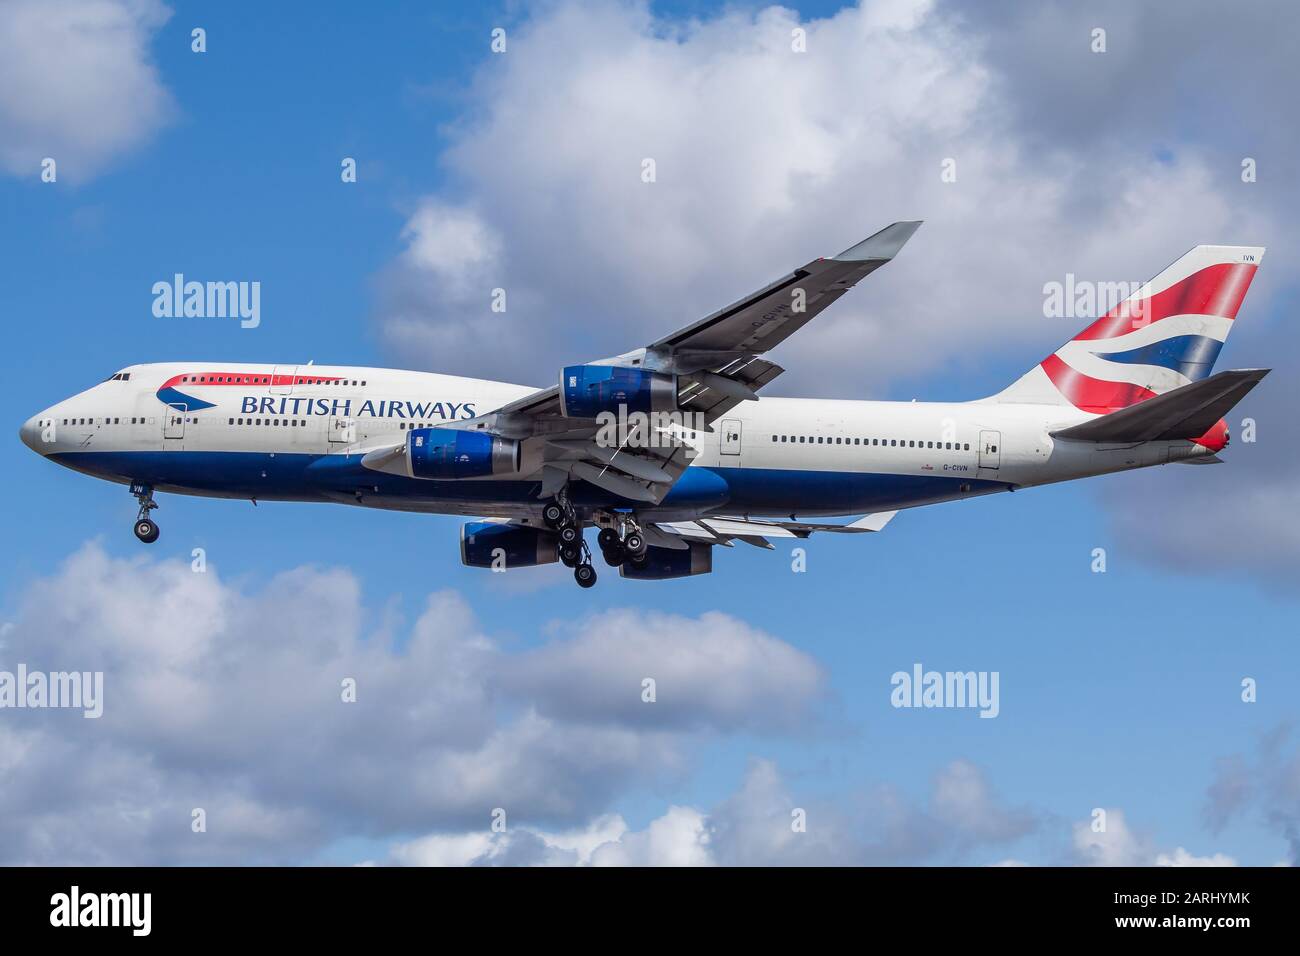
1092 394
245 378
1215 290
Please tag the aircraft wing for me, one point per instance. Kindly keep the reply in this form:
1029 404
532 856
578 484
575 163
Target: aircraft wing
716 364
724 530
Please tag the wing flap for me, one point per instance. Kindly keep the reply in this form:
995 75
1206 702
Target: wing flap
723 530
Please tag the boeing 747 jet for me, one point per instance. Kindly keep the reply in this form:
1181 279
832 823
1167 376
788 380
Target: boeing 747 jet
668 451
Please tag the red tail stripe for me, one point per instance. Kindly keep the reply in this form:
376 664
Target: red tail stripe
1216 439
1215 290
1092 394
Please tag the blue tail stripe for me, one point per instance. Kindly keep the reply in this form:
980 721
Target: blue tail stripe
1191 355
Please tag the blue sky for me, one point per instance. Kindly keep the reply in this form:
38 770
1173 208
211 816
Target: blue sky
1118 690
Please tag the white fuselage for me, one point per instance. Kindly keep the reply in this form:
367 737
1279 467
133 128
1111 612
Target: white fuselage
297 432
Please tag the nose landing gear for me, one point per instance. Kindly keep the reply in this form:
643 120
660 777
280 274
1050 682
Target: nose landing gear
145 528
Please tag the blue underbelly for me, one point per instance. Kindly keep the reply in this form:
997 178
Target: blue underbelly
753 491
778 492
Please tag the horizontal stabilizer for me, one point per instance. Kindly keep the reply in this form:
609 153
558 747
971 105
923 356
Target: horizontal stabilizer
1185 413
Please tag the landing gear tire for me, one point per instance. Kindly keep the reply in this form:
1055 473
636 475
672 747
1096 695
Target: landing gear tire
615 555
635 544
637 560
145 529
585 575
607 538
570 555
553 514
570 534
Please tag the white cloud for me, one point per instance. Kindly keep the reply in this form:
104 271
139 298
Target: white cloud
963 800
1120 845
1181 857
1268 783
228 697
678 838
766 158
609 655
77 83
755 826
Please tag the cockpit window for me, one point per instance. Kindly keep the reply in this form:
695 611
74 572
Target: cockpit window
119 377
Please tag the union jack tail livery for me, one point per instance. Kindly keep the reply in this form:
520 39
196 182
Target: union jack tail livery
1165 335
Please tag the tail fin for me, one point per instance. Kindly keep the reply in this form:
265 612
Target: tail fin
1165 335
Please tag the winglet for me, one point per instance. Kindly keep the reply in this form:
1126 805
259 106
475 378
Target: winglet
883 245
874 522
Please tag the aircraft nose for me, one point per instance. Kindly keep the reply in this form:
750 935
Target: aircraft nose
30 433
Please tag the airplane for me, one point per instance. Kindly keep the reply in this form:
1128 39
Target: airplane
667 451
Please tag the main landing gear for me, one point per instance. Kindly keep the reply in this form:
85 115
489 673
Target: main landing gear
145 528
621 540
562 517
622 544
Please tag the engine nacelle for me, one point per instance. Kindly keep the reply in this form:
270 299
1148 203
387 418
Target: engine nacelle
486 544
663 563
450 453
588 390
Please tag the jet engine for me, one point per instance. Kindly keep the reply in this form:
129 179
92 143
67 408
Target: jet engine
661 563
487 544
446 453
588 390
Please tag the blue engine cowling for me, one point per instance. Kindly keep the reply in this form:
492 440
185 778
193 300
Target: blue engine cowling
482 542
450 453
588 390
663 563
